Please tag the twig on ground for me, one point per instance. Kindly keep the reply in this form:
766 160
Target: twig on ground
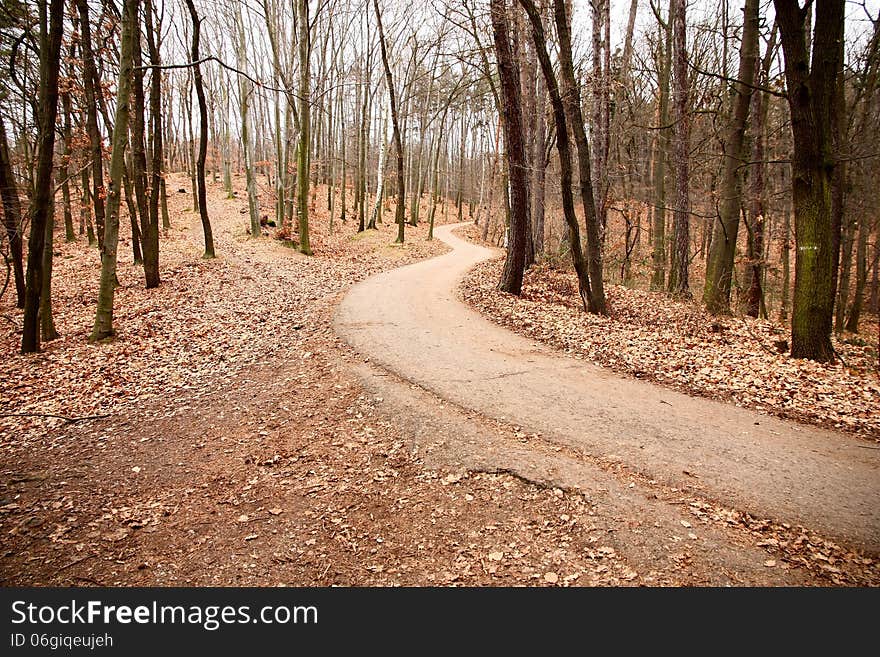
758 340
69 420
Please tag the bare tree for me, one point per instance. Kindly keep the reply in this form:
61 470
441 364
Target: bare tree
103 327
719 268
37 278
203 131
678 272
395 123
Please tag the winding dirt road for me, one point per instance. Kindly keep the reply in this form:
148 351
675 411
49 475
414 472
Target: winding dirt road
410 322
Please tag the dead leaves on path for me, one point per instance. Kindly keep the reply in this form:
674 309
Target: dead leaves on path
207 320
652 337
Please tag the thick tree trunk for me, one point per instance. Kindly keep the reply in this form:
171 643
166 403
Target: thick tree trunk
203 133
36 280
511 110
103 327
812 86
719 268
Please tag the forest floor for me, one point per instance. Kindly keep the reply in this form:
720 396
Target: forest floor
245 444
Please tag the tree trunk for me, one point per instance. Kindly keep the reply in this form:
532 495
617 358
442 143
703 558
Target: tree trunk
539 39
244 91
51 30
303 160
139 162
11 215
511 110
572 106
786 263
719 268
91 86
811 91
678 273
539 166
395 123
661 149
150 220
103 327
855 309
203 133
48 332
376 214
69 233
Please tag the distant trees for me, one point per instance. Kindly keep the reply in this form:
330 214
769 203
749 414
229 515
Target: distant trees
680 164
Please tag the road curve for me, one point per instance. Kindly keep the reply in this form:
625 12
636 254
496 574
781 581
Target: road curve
410 322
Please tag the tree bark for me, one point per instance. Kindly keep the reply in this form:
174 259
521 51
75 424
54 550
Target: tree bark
303 160
103 327
51 30
511 110
719 268
581 266
150 220
678 273
395 124
69 233
855 309
572 105
661 150
203 133
247 148
91 87
812 86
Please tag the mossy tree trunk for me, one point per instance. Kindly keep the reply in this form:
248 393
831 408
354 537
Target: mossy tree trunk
103 327
812 84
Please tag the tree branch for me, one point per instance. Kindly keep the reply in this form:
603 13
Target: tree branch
69 420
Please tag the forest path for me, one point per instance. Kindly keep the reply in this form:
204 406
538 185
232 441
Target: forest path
410 322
